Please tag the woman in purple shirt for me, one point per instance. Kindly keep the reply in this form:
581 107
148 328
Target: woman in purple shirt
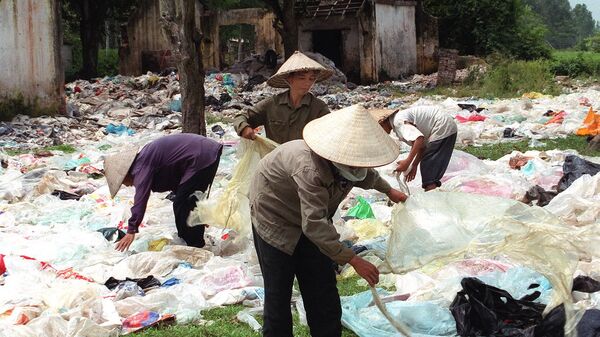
181 163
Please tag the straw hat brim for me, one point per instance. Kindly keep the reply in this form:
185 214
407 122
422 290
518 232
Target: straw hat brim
279 80
381 114
116 168
298 62
350 136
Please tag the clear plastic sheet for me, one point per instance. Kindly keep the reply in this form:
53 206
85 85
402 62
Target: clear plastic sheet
467 225
232 209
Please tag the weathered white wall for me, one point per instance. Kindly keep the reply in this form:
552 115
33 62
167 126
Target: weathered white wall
30 52
396 39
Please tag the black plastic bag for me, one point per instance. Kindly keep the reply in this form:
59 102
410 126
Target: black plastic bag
573 168
483 310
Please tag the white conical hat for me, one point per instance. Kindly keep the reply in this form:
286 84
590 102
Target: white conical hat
116 168
381 114
298 62
352 137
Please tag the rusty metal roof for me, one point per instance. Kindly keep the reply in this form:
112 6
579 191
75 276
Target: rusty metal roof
327 8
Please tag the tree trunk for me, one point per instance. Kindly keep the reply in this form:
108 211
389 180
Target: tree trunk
179 30
91 24
290 40
285 24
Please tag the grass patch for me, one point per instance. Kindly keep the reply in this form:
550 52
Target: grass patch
496 151
212 118
225 322
66 148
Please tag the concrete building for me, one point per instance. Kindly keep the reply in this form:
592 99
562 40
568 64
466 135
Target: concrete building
369 40
30 51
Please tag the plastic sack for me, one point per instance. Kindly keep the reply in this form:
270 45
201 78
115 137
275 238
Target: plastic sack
362 210
232 208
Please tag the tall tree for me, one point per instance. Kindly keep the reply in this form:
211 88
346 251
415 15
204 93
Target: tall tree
92 15
584 21
91 23
285 23
179 28
482 27
556 14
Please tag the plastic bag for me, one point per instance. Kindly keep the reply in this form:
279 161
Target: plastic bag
424 319
580 203
367 229
573 168
232 209
362 210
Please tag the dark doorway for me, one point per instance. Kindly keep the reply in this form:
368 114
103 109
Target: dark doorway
329 43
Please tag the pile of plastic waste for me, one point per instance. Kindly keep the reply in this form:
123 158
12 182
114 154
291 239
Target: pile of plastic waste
522 229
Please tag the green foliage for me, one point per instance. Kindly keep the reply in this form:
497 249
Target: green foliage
496 151
504 78
108 62
514 78
482 27
528 43
556 14
229 37
592 43
566 27
576 64
66 148
584 22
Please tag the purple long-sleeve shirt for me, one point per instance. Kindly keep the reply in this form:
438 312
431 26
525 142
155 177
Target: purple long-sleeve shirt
166 163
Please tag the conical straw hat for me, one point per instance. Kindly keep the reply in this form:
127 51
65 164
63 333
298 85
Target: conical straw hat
381 114
298 62
352 137
116 168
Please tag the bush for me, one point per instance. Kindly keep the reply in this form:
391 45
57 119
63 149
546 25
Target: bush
576 64
510 78
108 62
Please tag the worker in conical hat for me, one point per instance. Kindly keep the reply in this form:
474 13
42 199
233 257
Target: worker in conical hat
293 196
285 115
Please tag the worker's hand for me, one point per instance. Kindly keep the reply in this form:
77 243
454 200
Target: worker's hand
412 174
125 242
396 196
365 269
248 133
402 165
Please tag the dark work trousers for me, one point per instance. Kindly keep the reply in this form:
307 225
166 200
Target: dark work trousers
436 159
316 278
184 202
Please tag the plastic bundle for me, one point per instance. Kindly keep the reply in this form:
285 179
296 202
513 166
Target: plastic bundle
232 208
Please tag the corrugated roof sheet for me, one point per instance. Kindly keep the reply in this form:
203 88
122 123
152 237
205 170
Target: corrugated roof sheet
327 8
